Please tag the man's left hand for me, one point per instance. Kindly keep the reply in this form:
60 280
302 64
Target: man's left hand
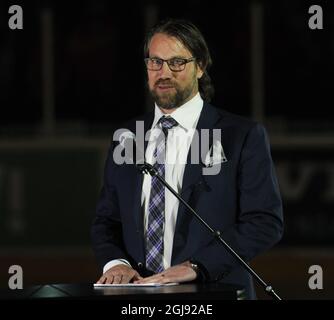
179 273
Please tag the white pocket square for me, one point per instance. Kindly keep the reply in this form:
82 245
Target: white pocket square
215 155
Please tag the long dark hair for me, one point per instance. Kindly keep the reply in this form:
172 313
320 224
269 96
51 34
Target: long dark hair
189 35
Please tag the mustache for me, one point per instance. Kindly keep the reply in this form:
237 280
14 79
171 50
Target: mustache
164 83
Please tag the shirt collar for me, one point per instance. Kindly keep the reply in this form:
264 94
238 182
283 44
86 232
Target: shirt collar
186 115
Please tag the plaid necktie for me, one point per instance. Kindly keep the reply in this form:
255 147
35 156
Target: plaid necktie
156 207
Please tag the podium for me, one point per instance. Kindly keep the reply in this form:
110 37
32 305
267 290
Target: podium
190 291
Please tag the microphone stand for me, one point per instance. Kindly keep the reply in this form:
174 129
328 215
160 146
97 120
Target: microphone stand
149 169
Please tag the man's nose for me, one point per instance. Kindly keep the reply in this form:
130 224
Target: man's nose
165 72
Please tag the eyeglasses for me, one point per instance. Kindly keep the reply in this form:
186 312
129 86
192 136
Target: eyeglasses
175 64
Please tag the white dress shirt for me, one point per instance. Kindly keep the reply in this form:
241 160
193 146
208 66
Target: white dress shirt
177 147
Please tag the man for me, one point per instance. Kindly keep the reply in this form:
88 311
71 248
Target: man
141 233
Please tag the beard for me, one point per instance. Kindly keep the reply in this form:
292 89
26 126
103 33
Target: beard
172 99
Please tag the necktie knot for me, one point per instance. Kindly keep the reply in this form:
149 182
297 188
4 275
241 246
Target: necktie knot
167 123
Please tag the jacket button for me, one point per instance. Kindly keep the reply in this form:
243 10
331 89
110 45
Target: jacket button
140 265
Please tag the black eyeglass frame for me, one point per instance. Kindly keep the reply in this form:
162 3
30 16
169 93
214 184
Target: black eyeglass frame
169 62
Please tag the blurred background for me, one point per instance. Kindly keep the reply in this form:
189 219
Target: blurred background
76 71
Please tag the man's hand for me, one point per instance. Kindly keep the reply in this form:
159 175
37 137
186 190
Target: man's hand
119 274
179 273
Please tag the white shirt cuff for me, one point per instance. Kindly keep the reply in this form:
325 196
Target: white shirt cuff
115 262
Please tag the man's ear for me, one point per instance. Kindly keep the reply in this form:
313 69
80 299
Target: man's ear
200 71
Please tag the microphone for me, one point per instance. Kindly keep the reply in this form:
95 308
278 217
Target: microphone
129 150
126 136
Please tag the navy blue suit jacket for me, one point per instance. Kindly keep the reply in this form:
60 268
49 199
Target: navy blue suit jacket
242 201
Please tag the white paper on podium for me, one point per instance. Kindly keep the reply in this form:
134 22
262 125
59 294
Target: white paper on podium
110 285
